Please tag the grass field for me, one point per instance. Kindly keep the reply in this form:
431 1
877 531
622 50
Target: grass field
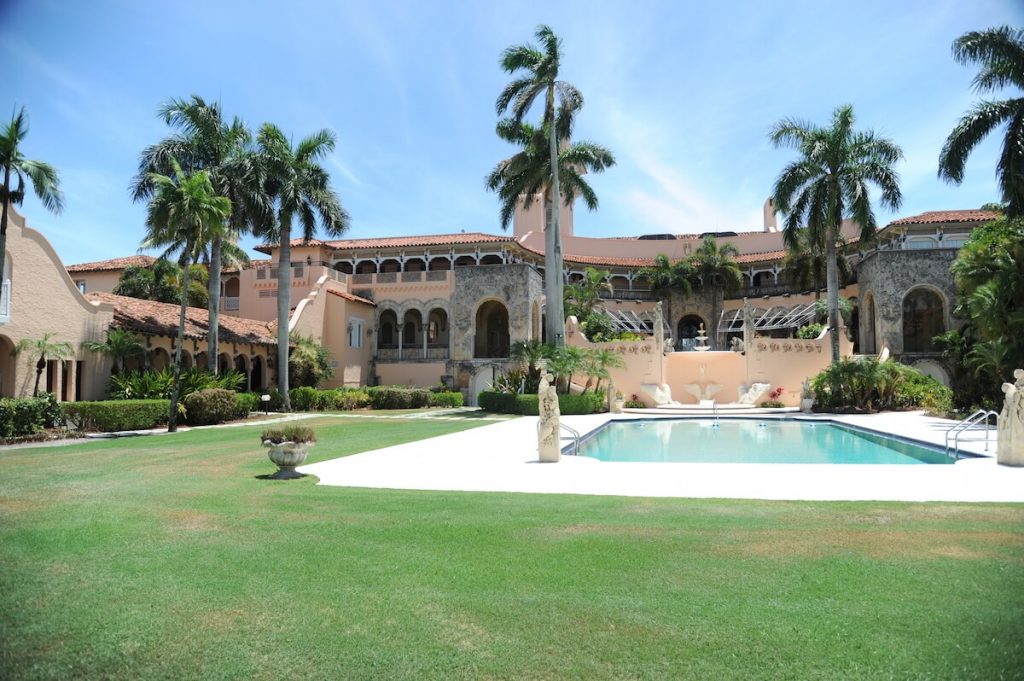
167 557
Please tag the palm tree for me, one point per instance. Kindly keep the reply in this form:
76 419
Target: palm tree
17 168
563 363
597 363
583 296
999 52
831 180
43 347
298 186
205 140
536 71
806 264
119 346
184 208
717 271
161 282
665 277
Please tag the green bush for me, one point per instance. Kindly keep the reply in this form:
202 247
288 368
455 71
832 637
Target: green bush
116 415
303 398
810 331
398 397
868 385
527 405
214 405
30 415
245 403
347 399
446 399
155 385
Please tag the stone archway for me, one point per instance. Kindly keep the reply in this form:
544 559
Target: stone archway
687 331
492 331
924 313
256 379
8 368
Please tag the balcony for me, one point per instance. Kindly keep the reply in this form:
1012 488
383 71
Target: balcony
229 304
5 302
629 294
387 278
434 352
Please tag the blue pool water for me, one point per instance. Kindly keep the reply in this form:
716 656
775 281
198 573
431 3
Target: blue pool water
750 441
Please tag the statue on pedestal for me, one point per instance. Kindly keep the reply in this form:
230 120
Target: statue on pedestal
548 440
1010 448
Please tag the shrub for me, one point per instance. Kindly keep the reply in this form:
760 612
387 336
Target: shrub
155 385
398 397
446 399
869 385
633 404
505 403
293 433
245 403
303 399
276 402
116 415
810 331
214 405
30 415
351 398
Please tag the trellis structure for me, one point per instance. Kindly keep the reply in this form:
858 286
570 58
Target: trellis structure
628 320
770 319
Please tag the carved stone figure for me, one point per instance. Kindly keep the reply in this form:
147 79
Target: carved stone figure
754 393
1010 448
548 440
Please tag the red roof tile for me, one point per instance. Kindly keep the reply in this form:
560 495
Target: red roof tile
937 216
113 264
761 257
161 319
403 241
348 296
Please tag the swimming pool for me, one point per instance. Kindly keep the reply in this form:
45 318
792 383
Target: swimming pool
750 441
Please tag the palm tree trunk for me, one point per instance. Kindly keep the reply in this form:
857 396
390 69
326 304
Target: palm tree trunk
555 284
550 279
3 224
284 296
172 418
715 315
40 365
213 333
832 282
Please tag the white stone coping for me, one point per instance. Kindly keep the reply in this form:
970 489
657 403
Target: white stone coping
503 458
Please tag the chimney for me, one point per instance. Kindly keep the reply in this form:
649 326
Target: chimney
770 225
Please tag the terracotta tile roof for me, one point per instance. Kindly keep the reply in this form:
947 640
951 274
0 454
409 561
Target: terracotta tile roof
761 257
161 319
348 296
403 241
605 260
688 236
113 264
937 216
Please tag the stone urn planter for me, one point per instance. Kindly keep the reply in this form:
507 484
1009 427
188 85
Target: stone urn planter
807 405
288 448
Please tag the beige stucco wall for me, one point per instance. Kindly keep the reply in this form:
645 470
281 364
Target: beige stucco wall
97 282
420 374
44 299
325 317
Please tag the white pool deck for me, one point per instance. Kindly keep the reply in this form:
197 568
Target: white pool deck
502 457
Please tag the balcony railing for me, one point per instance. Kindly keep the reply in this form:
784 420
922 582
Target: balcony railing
629 294
400 277
432 353
5 301
229 304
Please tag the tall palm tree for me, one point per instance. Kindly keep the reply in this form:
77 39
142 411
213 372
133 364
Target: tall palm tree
161 282
830 181
665 277
999 52
582 297
184 208
16 168
205 140
716 270
119 346
298 187
806 265
536 71
43 347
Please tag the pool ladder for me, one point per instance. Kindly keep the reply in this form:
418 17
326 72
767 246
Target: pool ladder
979 417
575 434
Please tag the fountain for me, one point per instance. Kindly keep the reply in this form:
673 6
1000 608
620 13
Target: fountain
702 341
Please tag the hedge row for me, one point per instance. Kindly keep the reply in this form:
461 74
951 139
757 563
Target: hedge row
115 415
340 399
509 403
27 416
378 397
399 397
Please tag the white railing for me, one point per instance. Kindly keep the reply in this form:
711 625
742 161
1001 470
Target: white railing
5 301
229 303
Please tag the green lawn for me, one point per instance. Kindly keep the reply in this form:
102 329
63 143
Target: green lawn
166 557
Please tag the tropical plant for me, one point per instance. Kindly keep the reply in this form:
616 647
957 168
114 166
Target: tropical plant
162 282
868 385
716 269
806 265
666 277
296 434
536 72
529 354
989 274
309 362
597 362
583 296
563 363
809 331
297 186
829 182
119 346
845 310
42 348
205 140
185 209
999 52
16 168
151 385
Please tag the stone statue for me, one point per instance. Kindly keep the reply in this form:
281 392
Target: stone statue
548 440
737 345
659 328
1010 447
756 390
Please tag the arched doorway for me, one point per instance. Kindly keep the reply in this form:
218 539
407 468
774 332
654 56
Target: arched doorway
256 375
866 321
923 318
492 336
387 331
437 333
412 334
8 367
223 363
242 367
161 359
687 330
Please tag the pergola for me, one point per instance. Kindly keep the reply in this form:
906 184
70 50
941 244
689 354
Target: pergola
771 319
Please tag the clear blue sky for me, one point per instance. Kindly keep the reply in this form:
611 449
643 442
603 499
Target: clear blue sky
682 92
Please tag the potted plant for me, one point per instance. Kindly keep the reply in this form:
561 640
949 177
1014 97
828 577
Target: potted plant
806 397
619 401
287 447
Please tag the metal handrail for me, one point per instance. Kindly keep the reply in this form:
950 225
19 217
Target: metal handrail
575 436
978 417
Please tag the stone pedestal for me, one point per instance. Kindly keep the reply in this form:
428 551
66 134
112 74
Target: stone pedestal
1010 449
548 441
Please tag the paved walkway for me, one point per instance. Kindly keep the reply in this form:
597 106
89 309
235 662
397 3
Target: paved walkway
502 458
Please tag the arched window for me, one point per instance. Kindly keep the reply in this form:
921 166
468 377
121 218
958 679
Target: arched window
492 336
923 319
686 332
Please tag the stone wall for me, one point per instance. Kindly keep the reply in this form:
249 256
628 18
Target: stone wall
885 278
517 287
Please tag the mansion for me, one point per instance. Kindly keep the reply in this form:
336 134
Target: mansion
446 308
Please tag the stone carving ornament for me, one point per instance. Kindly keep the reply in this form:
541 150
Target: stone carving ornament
1010 448
548 440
